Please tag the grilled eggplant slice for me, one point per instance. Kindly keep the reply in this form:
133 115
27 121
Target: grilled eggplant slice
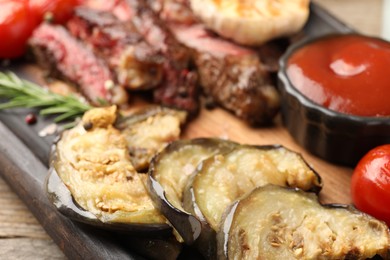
62 198
92 161
169 172
223 178
280 223
148 131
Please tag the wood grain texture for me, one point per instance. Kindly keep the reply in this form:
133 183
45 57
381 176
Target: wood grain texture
28 248
15 221
22 237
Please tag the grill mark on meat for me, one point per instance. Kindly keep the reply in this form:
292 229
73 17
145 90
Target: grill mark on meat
136 64
62 55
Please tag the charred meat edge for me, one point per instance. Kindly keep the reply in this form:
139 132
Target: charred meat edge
63 56
136 64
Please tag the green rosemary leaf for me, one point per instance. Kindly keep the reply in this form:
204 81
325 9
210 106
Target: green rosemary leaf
54 110
67 115
23 93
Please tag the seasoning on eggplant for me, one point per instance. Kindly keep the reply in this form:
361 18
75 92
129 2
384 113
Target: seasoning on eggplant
169 173
95 166
222 179
148 131
274 222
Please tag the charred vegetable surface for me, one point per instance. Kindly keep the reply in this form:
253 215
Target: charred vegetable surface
222 179
93 162
148 131
168 176
279 223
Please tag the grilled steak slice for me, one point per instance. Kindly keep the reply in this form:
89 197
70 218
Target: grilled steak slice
237 78
136 64
117 7
174 11
179 87
63 56
233 76
179 84
240 85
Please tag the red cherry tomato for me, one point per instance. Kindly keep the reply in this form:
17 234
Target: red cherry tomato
60 9
370 184
16 26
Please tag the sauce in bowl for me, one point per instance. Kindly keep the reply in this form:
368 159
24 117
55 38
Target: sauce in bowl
345 73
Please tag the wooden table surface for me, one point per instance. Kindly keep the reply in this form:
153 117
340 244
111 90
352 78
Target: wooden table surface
22 237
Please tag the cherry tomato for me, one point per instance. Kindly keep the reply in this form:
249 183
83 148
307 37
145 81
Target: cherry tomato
60 9
370 184
16 26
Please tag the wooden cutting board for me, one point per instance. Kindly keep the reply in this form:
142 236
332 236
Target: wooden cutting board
24 160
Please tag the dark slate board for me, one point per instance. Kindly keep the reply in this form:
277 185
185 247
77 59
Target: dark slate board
24 158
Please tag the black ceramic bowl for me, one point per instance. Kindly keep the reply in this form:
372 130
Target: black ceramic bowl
336 137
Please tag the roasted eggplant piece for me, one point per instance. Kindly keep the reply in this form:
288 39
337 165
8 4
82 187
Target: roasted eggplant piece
93 163
151 241
169 172
148 131
63 200
273 222
223 178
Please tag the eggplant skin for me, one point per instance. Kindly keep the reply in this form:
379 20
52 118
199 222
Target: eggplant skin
273 222
148 131
173 167
92 160
169 173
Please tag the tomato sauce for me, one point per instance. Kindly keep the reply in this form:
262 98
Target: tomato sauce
346 73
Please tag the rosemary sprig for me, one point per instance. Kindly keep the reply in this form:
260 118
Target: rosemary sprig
23 93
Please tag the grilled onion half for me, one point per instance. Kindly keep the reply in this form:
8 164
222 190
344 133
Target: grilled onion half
252 22
273 222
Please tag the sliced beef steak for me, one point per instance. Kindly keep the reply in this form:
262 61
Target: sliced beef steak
65 57
136 64
237 78
179 86
174 11
233 76
117 7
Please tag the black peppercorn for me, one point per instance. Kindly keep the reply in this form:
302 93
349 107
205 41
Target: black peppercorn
88 126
